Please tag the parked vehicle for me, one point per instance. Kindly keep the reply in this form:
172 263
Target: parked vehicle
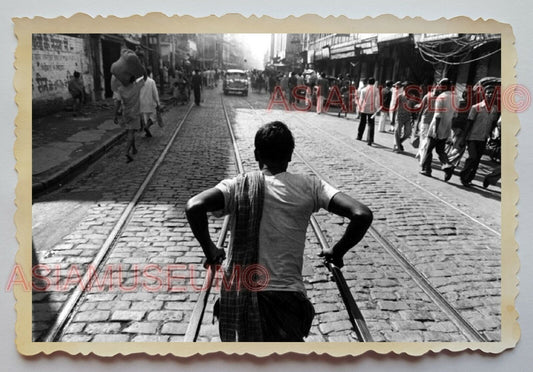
235 81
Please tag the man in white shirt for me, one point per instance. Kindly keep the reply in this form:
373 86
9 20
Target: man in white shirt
369 104
268 230
440 130
149 103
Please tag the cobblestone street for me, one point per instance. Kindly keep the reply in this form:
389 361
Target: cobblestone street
148 283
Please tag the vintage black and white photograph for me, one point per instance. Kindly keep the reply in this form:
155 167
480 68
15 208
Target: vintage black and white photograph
266 187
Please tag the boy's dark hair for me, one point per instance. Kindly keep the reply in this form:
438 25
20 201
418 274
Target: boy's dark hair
274 143
76 74
371 81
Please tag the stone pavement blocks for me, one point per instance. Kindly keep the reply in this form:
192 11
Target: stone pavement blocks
92 316
189 305
469 304
96 328
172 297
150 338
137 296
89 306
334 326
442 337
315 338
486 324
111 338
380 294
128 315
409 325
147 305
392 305
142 327
174 328
165 315
76 338
421 315
74 328
326 307
404 336
113 305
493 336
339 338
445 326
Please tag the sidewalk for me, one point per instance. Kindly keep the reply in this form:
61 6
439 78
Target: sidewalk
64 144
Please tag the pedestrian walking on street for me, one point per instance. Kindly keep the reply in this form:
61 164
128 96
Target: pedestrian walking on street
77 91
271 210
345 96
440 130
362 85
396 92
481 122
404 117
149 101
300 82
370 104
292 83
197 86
284 83
459 126
386 98
322 92
426 110
127 110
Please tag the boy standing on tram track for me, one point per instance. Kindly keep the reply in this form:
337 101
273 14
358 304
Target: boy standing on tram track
270 211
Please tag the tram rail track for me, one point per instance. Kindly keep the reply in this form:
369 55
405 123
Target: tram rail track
69 306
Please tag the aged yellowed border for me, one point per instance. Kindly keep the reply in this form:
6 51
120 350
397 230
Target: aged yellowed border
234 23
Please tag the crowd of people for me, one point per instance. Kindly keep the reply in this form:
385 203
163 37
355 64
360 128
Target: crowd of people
434 119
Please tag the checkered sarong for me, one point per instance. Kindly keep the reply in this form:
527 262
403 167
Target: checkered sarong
239 310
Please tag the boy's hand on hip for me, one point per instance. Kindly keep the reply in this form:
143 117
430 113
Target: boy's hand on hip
216 256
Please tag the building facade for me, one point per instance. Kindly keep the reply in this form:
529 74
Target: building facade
418 58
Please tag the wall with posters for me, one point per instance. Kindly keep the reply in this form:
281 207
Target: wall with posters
54 60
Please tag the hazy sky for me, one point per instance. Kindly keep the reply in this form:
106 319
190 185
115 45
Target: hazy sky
258 45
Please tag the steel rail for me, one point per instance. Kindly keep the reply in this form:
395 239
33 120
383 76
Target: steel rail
110 242
195 322
355 315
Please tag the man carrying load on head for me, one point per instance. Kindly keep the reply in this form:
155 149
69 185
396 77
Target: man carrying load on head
126 82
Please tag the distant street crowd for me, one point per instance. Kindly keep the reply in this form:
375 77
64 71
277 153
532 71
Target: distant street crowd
431 118
434 119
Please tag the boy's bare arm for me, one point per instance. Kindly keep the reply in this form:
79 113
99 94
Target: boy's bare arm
360 220
196 210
